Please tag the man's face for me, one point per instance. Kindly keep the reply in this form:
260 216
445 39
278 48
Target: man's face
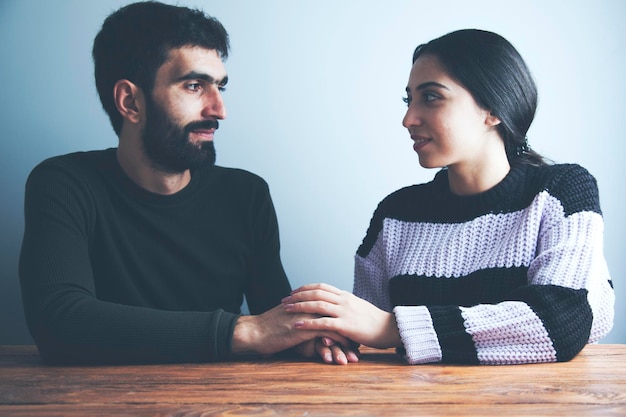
183 110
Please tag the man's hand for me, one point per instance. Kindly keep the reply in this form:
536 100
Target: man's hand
329 351
275 331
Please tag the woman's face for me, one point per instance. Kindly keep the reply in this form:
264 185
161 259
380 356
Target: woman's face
446 124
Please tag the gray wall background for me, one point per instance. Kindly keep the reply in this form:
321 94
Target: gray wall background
315 108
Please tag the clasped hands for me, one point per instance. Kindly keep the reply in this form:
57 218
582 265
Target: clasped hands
332 310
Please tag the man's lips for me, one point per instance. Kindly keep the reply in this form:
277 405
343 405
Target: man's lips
203 125
204 133
204 129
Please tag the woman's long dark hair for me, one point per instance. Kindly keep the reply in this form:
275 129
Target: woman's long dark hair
495 74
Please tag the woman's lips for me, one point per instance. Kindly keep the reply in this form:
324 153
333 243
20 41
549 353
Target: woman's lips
419 142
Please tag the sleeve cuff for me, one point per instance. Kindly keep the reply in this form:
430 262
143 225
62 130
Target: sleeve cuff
417 334
221 335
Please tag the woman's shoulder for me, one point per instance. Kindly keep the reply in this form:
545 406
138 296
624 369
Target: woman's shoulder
557 172
573 185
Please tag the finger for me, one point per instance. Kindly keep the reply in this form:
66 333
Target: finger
338 356
351 351
351 355
321 323
324 352
332 338
320 308
312 295
327 341
339 339
318 286
328 327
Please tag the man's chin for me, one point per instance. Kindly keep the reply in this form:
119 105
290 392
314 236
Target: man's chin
206 160
180 165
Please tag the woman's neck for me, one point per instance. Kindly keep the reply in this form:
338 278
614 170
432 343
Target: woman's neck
478 177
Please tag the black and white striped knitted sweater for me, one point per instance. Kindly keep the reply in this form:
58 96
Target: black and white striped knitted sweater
512 275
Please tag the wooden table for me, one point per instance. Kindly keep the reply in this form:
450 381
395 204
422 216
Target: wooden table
381 384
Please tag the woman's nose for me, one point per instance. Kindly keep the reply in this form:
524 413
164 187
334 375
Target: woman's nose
411 118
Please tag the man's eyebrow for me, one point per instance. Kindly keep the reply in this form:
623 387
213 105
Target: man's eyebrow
193 75
427 85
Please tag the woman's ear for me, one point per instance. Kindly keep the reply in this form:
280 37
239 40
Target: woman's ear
492 120
129 101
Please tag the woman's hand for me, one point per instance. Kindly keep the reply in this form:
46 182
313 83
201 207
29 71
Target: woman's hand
344 313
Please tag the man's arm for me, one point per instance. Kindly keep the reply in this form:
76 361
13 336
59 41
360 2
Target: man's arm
71 325
66 319
267 282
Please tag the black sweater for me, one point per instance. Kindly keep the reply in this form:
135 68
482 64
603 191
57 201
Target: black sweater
112 273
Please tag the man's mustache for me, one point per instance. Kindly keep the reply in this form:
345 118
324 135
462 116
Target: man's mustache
202 125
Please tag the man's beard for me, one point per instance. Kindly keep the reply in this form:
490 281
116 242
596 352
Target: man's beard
168 146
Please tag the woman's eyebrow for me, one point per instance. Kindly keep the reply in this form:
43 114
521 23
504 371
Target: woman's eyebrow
431 84
427 85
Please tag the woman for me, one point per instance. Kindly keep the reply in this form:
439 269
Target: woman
499 259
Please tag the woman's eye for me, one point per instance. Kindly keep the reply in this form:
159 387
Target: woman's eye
407 100
428 97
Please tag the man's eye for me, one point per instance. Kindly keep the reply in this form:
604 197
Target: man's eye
221 88
193 86
407 100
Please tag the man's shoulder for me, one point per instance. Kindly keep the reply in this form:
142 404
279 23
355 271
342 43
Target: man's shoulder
76 177
237 176
80 162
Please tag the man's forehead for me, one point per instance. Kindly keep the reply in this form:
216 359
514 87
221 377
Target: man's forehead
194 59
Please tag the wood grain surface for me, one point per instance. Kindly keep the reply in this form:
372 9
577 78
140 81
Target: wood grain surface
381 384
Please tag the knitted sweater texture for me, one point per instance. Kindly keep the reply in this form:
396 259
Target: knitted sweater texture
512 275
112 273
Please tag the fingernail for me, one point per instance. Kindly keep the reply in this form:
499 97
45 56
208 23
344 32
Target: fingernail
289 307
327 341
328 357
286 299
299 324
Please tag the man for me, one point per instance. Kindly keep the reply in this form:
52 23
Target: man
143 253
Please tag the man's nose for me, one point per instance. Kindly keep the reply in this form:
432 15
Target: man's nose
214 106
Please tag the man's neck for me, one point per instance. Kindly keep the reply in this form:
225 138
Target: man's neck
142 172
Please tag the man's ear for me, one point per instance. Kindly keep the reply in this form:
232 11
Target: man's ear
129 101
492 120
